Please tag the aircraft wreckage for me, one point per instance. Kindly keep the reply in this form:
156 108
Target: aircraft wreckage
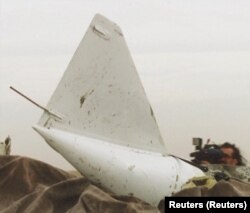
100 120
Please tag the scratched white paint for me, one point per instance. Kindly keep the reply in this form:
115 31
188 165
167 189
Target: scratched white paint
126 171
108 131
101 93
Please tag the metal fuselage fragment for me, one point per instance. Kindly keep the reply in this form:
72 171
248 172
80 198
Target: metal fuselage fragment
127 171
108 131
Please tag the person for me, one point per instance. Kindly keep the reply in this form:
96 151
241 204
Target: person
232 155
224 154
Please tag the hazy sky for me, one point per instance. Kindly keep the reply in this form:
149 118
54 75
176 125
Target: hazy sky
192 57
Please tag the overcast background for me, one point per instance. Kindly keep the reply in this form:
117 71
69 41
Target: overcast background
193 58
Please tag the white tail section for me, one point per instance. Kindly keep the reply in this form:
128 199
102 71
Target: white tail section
100 93
123 170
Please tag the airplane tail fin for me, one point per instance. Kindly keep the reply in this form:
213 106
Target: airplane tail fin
100 93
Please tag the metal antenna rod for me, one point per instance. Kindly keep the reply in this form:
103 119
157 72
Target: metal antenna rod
33 102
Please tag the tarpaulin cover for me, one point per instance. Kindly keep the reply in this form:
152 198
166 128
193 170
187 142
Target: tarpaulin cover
29 185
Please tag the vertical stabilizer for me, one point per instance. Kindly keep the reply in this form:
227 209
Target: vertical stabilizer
100 93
